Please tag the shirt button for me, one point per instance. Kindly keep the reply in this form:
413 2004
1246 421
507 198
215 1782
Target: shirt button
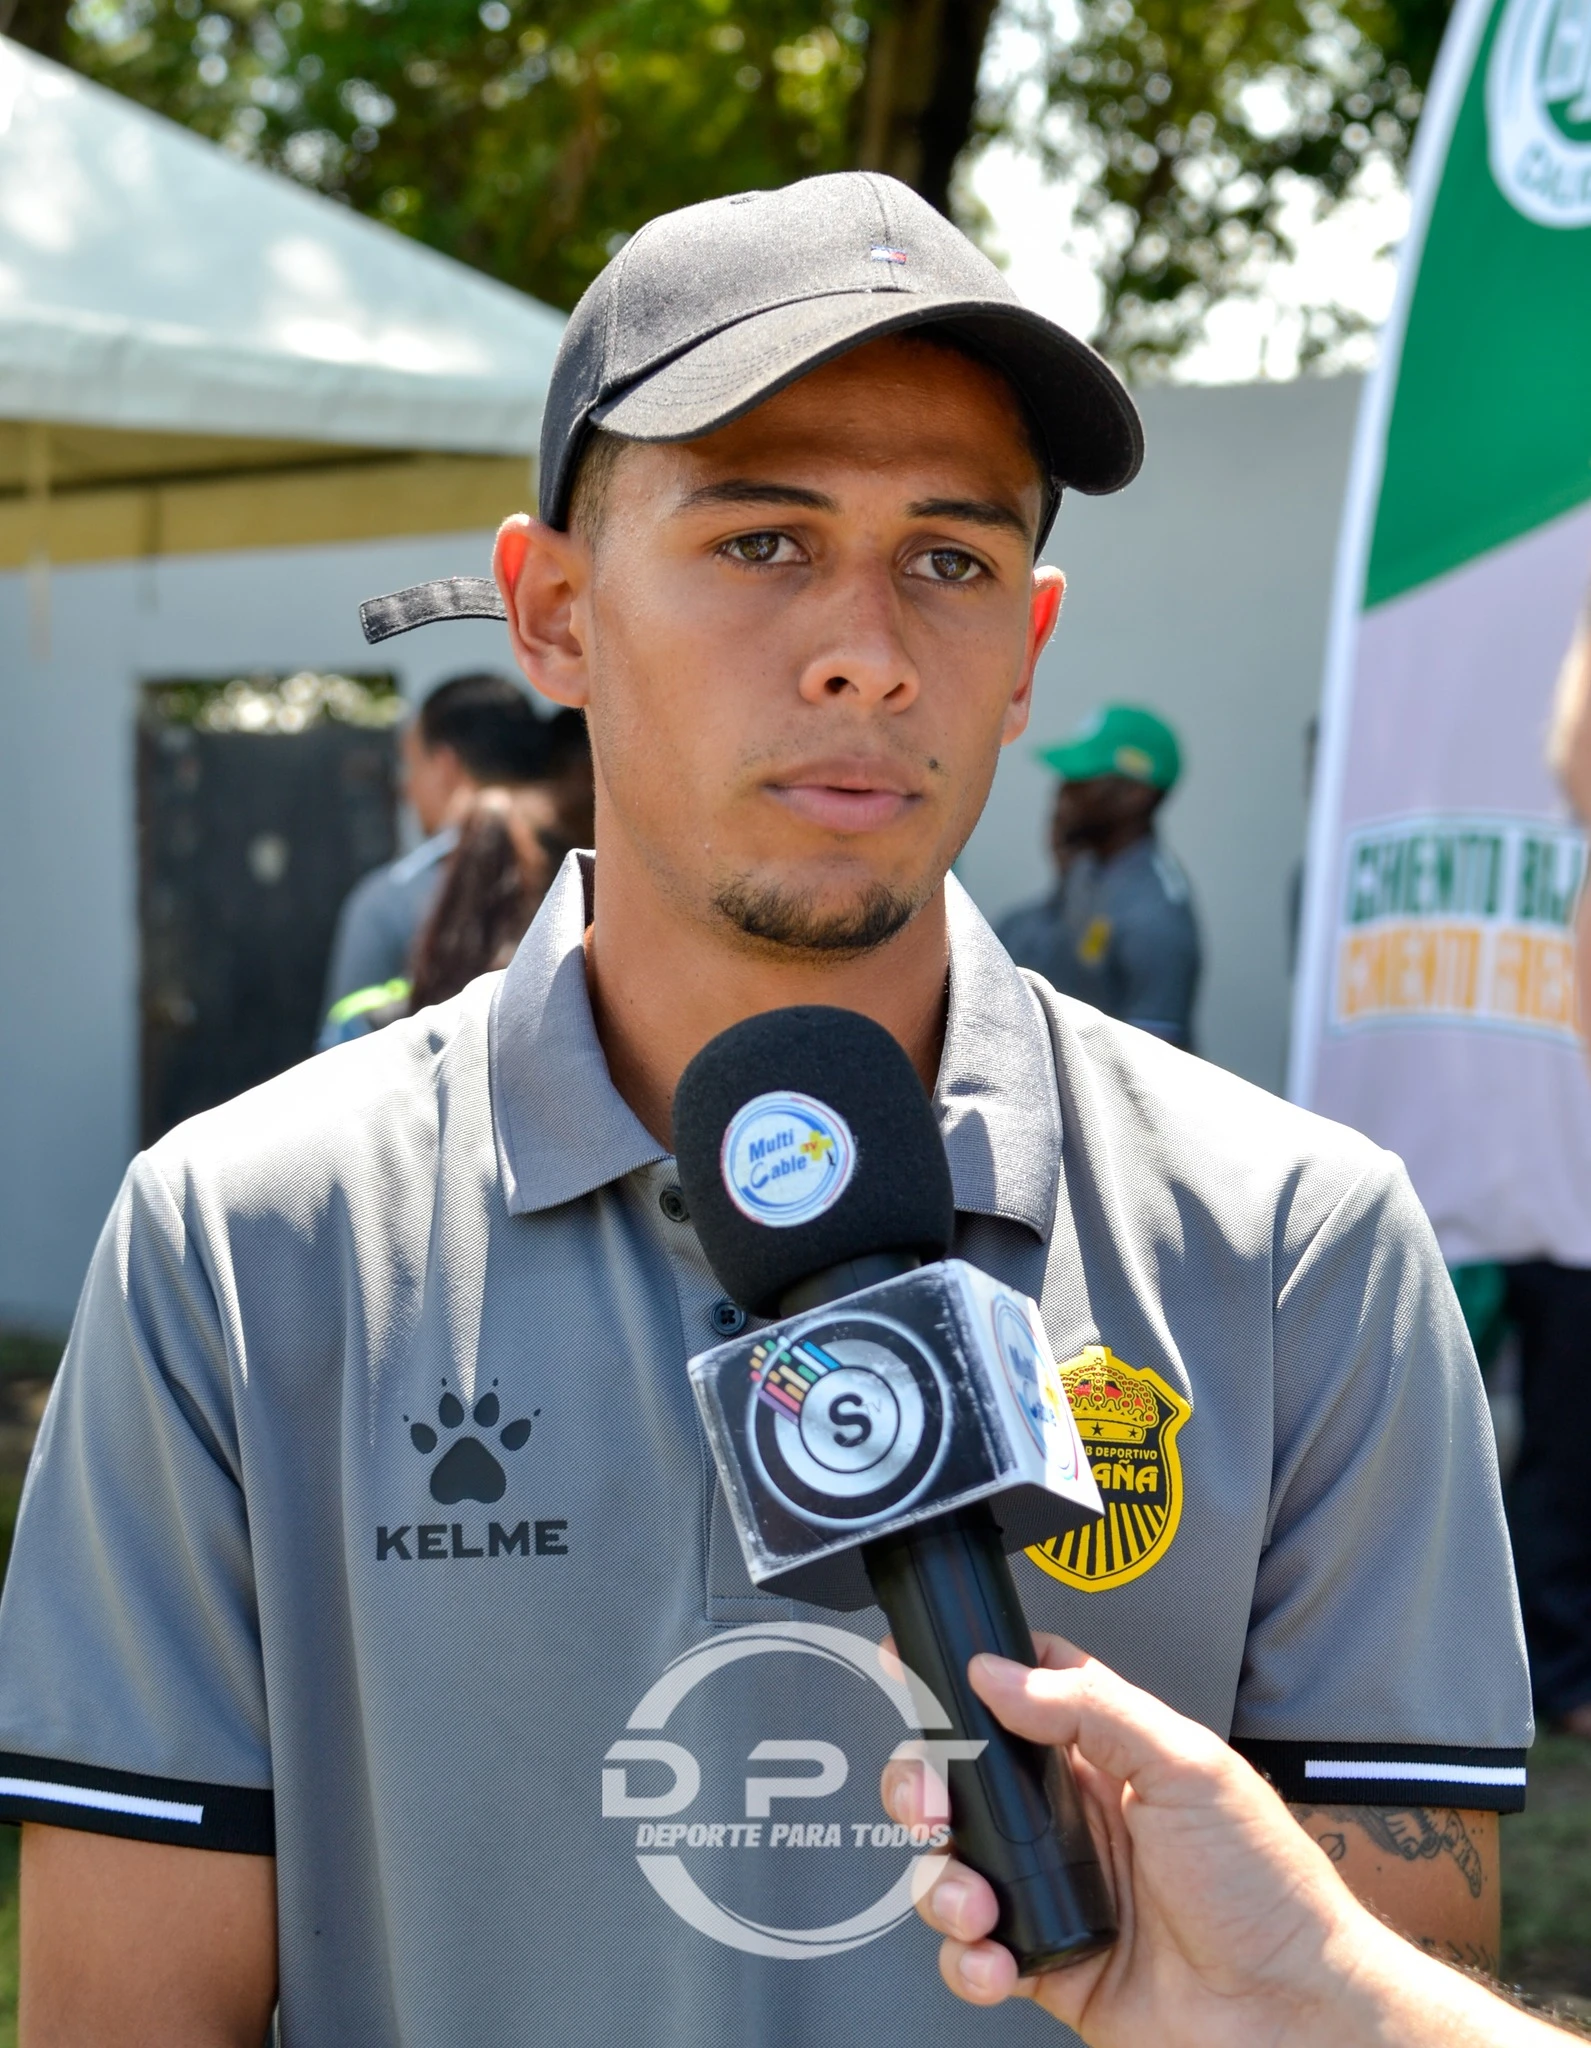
728 1318
672 1204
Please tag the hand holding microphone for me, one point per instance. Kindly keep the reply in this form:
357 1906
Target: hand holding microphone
1236 1932
900 1428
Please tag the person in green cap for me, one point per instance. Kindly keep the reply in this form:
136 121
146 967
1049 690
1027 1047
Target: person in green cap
1118 929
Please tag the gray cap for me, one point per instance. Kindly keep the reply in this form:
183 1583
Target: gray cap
705 313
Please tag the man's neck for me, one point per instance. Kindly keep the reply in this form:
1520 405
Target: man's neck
1109 845
663 982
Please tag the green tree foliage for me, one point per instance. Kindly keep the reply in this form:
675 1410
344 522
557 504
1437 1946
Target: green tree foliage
1189 126
530 137
528 140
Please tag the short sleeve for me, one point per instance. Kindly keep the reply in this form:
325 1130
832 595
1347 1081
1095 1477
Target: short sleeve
132 1697
1385 1661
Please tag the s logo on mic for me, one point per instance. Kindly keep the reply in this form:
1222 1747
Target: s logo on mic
786 1158
848 1419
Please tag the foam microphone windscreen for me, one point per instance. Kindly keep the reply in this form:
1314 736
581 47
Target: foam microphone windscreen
805 1138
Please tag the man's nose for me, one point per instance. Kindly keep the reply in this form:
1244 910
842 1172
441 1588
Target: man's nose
861 653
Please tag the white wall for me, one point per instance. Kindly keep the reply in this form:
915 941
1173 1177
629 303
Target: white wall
68 879
1202 592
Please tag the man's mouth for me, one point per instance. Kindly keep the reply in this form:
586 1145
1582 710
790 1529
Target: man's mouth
847 796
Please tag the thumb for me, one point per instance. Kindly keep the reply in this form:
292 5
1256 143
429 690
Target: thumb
1122 1731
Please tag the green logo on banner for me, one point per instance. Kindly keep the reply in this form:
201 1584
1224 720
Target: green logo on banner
1538 110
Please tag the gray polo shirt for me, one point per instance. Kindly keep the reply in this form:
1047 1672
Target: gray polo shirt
1119 934
371 1521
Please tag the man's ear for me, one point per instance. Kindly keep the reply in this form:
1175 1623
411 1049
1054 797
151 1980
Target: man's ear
542 576
1044 608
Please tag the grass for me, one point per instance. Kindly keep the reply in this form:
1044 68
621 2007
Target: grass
28 1354
1546 1850
1547 1879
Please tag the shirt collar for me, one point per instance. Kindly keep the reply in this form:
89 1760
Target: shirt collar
563 1130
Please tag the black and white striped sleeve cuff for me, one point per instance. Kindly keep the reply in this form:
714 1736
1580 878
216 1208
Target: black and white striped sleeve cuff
69 1795
1389 1774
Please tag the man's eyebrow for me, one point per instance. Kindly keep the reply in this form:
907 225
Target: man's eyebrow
748 490
975 511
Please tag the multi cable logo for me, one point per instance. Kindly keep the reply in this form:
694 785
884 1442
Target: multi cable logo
667 1821
786 1158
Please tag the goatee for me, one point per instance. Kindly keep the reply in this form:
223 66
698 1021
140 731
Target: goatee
790 918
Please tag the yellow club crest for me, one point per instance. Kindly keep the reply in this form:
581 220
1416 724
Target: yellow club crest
1128 1419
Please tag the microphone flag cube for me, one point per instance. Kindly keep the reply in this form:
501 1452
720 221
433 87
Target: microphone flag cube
928 1392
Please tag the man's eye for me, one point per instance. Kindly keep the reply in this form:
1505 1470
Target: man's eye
952 565
754 547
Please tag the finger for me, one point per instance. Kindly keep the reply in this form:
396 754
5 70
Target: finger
960 1903
889 1659
1055 1653
982 1973
1127 1733
1102 1800
901 1790
914 1793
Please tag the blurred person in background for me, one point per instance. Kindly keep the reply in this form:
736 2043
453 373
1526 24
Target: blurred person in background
1549 1503
506 849
566 776
471 732
1118 929
1295 881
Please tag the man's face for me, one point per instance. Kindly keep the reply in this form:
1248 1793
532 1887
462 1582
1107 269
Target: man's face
803 640
1098 811
433 780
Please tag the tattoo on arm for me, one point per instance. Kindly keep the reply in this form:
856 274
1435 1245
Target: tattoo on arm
1415 1834
1473 1956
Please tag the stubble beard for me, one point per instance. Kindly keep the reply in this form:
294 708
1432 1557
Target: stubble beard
791 921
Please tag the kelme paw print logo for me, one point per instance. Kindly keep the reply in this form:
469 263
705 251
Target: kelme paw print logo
467 1470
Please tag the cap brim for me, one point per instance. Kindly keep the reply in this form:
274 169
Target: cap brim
1089 422
1074 763
1084 760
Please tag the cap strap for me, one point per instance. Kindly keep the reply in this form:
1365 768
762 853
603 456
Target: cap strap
423 604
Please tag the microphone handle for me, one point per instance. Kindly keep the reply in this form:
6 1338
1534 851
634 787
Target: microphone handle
1015 1813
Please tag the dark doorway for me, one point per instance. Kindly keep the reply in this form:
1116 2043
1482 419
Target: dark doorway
260 803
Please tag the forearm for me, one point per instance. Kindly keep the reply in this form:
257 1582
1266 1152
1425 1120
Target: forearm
139 1945
1393 1997
1431 1873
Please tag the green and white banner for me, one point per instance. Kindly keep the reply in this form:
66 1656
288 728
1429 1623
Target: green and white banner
1435 1006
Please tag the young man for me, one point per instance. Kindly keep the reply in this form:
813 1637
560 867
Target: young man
1117 930
372 1527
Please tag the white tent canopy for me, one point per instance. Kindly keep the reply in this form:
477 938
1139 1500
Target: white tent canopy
150 281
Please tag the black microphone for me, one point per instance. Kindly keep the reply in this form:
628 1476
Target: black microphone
862 1438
